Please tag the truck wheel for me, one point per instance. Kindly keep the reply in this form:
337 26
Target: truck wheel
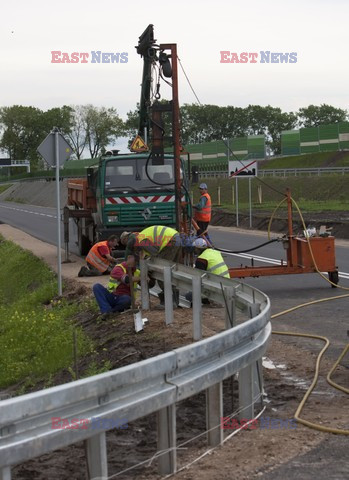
84 243
334 278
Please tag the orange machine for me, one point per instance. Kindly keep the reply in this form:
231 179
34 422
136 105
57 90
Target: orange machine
299 256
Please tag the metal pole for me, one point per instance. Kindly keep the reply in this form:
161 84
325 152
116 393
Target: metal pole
144 285
168 295
219 196
196 288
176 134
145 136
237 200
58 203
250 200
214 413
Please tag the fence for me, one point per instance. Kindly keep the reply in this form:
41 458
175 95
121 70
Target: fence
152 385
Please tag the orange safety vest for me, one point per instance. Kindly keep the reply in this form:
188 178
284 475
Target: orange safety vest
204 215
95 259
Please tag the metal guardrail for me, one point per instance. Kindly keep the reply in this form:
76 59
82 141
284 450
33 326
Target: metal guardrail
283 172
152 385
288 172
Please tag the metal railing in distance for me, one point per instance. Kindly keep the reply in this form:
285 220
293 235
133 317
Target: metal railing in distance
302 172
152 385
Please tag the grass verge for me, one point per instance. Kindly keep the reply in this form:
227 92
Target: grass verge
36 329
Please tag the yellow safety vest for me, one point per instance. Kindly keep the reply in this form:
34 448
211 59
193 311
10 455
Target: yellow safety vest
113 283
156 238
215 262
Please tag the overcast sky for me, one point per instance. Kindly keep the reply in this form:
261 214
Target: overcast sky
317 30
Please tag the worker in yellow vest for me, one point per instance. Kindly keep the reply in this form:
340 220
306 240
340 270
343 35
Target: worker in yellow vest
99 260
209 260
117 296
161 242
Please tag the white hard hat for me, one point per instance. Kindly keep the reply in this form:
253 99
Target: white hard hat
200 243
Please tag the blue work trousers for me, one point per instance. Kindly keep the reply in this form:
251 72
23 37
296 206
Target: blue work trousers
108 302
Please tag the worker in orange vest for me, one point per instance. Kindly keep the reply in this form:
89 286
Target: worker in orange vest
202 214
99 260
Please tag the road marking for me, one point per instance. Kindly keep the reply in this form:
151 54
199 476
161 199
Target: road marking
28 211
273 261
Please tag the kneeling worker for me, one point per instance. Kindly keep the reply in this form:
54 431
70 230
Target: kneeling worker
161 242
117 296
209 260
99 260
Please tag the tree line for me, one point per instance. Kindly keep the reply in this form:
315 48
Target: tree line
91 130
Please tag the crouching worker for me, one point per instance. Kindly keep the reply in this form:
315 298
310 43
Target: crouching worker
209 260
117 296
99 260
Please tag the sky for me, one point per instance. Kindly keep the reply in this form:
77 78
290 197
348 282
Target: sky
316 30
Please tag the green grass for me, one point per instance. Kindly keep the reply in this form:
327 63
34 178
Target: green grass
314 193
308 160
4 187
36 332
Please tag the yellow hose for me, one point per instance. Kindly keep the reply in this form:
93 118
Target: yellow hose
317 367
315 426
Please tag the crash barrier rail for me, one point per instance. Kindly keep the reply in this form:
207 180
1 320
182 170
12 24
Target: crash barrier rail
152 385
302 172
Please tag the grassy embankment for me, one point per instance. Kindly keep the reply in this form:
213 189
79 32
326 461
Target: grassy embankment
36 329
313 194
3 188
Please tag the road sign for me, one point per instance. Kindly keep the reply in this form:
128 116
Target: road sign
138 145
47 149
243 168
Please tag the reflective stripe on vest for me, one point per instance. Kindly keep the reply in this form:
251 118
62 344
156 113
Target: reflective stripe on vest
114 283
95 259
204 215
156 238
215 262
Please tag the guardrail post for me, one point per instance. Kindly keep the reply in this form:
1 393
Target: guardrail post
246 404
5 473
168 295
197 310
230 313
144 284
214 413
167 440
97 457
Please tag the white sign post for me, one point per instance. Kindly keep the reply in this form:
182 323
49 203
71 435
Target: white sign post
55 150
245 169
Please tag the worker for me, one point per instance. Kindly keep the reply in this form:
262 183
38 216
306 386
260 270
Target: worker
117 296
129 241
99 260
209 260
202 214
161 242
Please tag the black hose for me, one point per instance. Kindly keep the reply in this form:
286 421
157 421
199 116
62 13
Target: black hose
248 250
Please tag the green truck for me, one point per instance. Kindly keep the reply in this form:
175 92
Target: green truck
133 191
123 192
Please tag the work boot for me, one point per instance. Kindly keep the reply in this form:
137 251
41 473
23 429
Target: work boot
83 272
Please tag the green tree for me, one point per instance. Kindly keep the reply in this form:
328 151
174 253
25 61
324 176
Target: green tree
102 126
22 132
24 128
315 115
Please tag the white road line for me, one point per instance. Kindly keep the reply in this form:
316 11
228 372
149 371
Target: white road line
28 211
273 261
